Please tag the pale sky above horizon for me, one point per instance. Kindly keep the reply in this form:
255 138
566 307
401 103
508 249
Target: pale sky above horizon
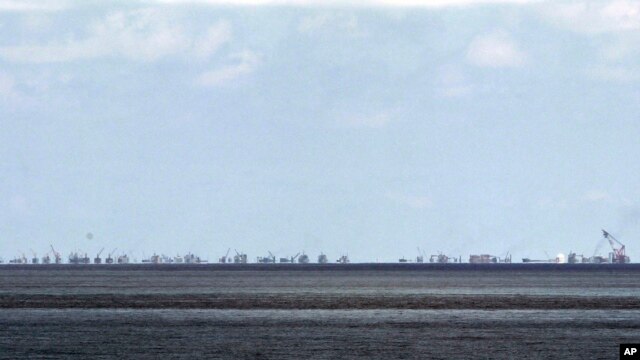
362 127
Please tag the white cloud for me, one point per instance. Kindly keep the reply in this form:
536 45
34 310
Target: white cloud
413 201
614 26
378 120
621 47
215 37
25 89
246 63
6 83
143 35
596 16
452 83
351 3
597 196
495 49
337 22
311 23
446 3
40 23
57 5
593 196
548 203
8 91
456 91
32 5
613 73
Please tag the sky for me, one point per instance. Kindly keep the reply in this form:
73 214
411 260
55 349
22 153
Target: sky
368 128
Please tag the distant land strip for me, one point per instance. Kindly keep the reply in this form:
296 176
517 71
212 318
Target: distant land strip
328 267
315 301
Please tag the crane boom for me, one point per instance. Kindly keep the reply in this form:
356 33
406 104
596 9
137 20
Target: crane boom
618 248
56 255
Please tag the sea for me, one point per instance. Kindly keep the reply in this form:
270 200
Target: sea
291 311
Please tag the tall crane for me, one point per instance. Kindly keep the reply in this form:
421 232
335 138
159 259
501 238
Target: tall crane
97 259
56 255
618 248
225 258
267 259
239 258
421 256
109 259
46 259
303 259
34 259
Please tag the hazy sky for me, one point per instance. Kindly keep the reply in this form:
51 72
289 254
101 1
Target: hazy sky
361 127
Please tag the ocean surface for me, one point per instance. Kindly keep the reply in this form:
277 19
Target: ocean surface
362 311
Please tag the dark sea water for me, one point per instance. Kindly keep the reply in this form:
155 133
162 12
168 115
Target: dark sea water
380 312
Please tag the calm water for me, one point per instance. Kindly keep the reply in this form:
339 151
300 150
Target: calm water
359 312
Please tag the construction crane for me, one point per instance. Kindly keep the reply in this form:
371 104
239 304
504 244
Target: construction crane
271 259
109 259
97 259
223 260
618 254
46 259
421 256
56 255
289 260
34 259
303 259
239 258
